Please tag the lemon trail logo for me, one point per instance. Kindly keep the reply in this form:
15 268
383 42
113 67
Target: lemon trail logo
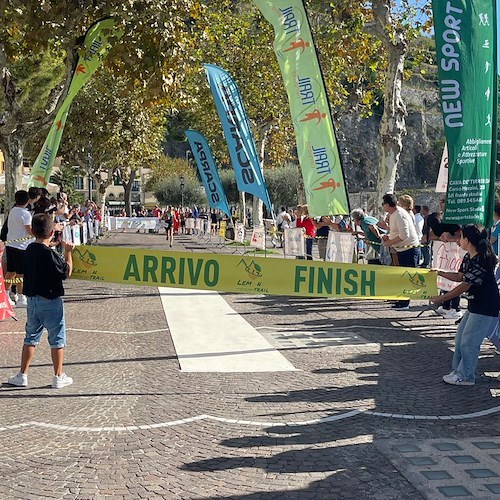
418 285
416 279
254 272
253 269
87 258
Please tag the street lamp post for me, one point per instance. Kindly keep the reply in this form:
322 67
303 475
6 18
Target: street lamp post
89 169
182 191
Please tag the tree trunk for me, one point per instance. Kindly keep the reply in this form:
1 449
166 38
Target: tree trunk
12 148
393 123
258 219
101 192
127 186
263 132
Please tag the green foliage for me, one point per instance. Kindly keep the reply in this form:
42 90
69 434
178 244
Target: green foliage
228 181
282 183
165 167
169 192
113 129
65 179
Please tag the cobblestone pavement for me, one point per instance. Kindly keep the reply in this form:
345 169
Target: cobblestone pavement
366 414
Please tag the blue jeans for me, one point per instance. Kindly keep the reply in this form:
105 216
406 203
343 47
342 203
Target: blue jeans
309 248
470 335
48 313
426 255
408 258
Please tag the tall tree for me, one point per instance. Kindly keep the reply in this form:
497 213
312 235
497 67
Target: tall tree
36 34
118 128
351 61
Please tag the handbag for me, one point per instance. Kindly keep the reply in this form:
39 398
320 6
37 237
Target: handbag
5 229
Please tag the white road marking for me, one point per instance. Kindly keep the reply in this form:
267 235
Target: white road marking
255 423
210 336
111 332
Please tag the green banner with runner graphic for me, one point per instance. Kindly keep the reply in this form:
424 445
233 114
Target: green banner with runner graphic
466 44
247 274
314 132
96 47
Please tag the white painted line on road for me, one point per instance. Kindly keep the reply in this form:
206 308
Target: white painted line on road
111 332
255 423
118 332
210 336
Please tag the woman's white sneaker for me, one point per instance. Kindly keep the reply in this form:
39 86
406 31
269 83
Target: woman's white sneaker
60 381
449 376
457 380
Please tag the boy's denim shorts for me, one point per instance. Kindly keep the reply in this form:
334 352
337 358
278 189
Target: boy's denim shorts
48 313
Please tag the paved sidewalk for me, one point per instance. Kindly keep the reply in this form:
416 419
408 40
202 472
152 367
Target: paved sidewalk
365 415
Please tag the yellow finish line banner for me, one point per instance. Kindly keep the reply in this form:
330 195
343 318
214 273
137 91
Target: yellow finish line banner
247 274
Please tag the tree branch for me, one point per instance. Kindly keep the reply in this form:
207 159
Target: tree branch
56 97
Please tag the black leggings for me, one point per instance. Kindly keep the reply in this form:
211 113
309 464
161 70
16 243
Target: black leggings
452 304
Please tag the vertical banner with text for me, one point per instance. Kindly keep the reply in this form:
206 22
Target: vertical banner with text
466 44
314 132
208 171
239 139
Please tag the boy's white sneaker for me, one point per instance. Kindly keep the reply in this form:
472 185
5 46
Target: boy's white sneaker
19 380
22 301
13 296
60 381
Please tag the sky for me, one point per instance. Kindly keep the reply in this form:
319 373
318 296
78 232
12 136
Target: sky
420 3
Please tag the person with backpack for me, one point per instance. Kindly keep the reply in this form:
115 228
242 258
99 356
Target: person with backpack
18 239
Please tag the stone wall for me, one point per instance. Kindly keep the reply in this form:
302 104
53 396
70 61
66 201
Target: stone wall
359 142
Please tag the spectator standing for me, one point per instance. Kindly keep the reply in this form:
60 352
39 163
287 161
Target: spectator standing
34 195
279 218
309 226
426 252
406 201
402 238
419 221
448 233
371 229
296 216
157 211
18 239
322 231
45 271
477 279
213 222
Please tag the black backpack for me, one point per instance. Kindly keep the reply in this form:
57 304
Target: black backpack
5 229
